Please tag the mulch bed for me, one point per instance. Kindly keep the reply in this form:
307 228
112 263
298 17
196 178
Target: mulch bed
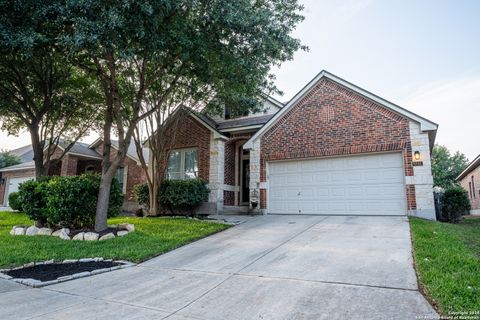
47 272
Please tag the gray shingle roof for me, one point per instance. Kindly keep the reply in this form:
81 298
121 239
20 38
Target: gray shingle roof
21 166
250 121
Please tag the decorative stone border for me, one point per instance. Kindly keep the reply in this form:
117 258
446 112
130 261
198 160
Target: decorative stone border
64 233
38 284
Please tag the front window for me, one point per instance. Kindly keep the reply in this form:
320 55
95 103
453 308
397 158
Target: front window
121 177
182 164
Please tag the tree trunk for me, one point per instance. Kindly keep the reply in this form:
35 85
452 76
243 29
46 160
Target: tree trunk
103 200
38 156
153 200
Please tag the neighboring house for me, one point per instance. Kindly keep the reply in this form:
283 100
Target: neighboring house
333 149
470 180
81 158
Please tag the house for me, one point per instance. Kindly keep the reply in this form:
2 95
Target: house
469 179
334 149
81 158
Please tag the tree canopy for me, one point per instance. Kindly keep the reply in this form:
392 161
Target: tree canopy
215 51
39 89
446 167
8 159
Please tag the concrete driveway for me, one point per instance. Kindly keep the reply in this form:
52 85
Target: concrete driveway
270 267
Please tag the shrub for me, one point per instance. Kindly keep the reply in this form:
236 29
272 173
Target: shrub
455 203
72 201
67 201
33 195
14 201
142 195
180 196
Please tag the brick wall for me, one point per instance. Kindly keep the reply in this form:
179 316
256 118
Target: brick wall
473 189
332 120
184 131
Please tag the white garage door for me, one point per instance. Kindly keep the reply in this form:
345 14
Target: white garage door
13 184
355 185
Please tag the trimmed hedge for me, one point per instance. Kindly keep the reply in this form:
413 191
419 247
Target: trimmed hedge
142 195
14 201
455 204
67 201
182 196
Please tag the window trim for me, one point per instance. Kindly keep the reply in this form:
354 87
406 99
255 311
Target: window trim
473 187
182 151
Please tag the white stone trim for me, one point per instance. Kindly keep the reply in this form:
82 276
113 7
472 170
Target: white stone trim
217 171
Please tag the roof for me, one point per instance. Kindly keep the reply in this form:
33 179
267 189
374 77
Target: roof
22 166
244 122
80 148
131 151
472 166
425 125
25 153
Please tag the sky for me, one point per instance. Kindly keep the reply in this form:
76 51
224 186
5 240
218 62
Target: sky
422 55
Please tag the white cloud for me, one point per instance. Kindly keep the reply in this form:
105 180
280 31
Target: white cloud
455 105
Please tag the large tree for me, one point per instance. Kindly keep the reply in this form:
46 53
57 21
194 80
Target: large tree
8 159
221 48
39 89
446 167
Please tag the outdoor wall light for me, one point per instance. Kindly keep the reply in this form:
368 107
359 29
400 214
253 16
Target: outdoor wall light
416 155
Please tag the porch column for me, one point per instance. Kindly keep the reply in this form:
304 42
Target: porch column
69 165
255 175
216 175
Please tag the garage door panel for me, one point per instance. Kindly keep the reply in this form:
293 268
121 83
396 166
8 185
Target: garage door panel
367 184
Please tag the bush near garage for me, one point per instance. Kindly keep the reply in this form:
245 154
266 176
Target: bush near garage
67 201
455 204
14 201
182 196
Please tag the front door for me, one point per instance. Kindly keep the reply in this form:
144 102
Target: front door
245 181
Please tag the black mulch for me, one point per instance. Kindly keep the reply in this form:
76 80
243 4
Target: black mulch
47 272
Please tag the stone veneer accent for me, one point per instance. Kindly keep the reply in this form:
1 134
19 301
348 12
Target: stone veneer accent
217 169
422 179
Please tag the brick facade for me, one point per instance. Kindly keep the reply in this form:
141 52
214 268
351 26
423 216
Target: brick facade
184 131
331 120
471 183
13 174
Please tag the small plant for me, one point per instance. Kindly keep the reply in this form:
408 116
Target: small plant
455 204
142 195
182 196
14 201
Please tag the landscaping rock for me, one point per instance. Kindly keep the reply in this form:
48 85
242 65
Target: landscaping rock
90 236
79 236
128 226
107 236
122 233
64 230
19 231
12 232
44 232
32 231
64 236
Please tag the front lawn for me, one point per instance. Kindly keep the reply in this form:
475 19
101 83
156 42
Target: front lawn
447 258
152 236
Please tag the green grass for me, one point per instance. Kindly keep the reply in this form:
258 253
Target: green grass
447 258
152 237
